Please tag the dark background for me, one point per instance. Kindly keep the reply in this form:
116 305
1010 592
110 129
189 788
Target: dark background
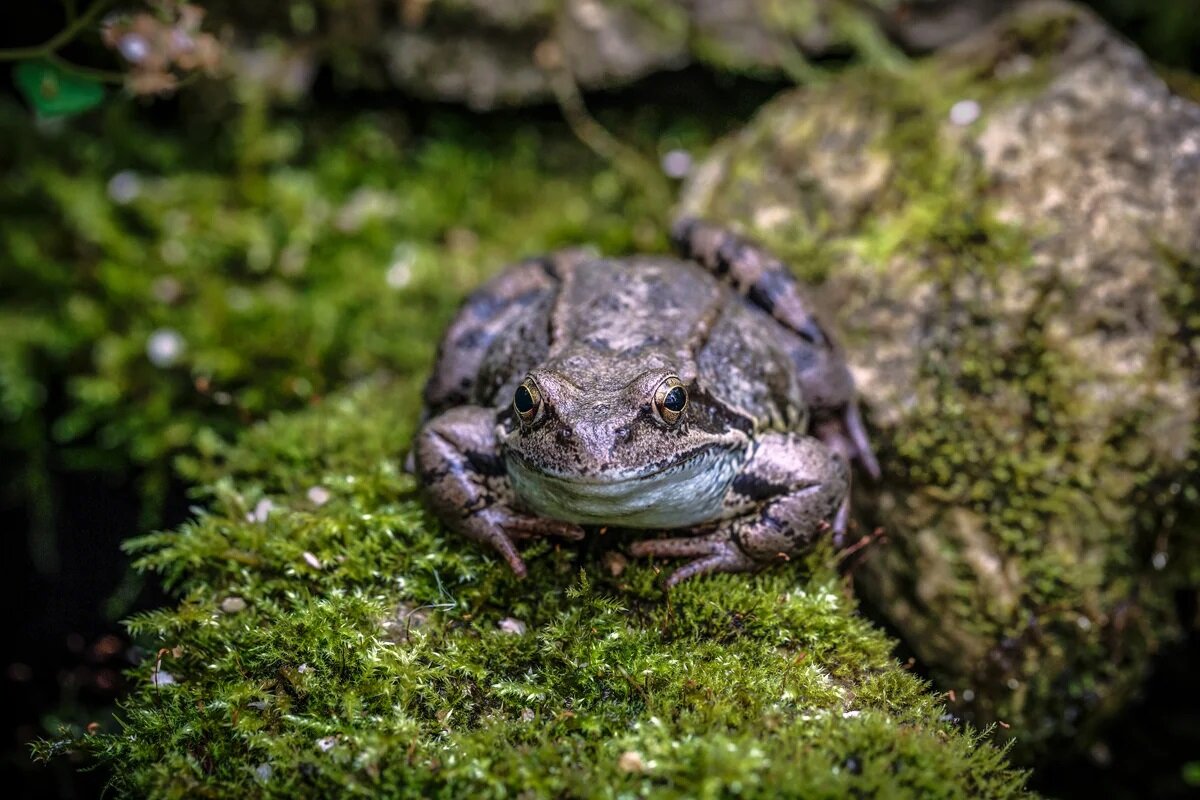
66 584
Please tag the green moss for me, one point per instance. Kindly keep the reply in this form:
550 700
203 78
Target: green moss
280 256
368 652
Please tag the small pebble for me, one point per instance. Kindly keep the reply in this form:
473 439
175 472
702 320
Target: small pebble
318 495
232 605
964 112
1159 560
631 761
312 560
514 626
263 772
325 744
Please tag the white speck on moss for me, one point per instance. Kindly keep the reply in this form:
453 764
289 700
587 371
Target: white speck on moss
677 163
166 289
124 187
964 112
262 510
312 560
511 625
1159 560
165 347
173 252
263 772
161 678
326 743
318 495
400 271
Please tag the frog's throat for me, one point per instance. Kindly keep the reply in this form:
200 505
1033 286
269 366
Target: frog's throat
687 492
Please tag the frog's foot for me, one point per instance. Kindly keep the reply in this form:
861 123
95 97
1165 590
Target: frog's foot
458 460
503 527
713 552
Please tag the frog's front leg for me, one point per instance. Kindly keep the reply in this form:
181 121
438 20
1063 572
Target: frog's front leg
458 459
790 491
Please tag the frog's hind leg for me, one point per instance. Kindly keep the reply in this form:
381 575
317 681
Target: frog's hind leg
767 282
713 552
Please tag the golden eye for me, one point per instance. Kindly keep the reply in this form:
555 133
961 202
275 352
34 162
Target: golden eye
670 399
527 400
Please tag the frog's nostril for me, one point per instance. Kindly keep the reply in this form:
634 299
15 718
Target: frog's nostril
564 436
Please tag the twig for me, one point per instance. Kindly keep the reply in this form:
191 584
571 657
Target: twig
68 33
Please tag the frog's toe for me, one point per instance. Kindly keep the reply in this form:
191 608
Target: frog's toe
847 436
527 526
715 552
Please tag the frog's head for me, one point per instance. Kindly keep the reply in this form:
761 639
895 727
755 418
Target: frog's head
619 444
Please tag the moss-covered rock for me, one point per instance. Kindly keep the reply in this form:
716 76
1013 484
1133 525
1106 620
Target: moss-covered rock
1010 235
332 640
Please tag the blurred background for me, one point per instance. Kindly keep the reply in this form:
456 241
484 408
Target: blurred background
204 207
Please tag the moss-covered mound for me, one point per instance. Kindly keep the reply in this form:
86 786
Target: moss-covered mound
1009 234
331 640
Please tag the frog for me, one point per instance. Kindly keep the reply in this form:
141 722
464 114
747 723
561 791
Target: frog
694 395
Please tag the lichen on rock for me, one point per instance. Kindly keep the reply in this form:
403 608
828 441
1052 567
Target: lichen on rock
1009 234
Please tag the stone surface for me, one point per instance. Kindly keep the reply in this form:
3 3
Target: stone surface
494 53
1017 290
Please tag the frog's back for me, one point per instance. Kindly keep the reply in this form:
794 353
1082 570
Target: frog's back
632 305
577 309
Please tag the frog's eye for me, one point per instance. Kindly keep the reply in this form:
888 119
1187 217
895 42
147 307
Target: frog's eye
669 399
527 400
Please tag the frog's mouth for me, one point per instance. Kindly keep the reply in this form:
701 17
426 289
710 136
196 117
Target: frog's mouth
684 492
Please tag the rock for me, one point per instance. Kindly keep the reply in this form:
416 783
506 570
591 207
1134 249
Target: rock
494 53
1017 289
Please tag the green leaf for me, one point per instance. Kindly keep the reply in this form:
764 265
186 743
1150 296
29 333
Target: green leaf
54 92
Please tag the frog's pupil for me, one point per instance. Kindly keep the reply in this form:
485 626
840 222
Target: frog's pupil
675 399
523 401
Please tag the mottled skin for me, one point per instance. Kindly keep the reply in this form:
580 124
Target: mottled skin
552 407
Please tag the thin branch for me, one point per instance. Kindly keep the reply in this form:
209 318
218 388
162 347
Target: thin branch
61 38
595 136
